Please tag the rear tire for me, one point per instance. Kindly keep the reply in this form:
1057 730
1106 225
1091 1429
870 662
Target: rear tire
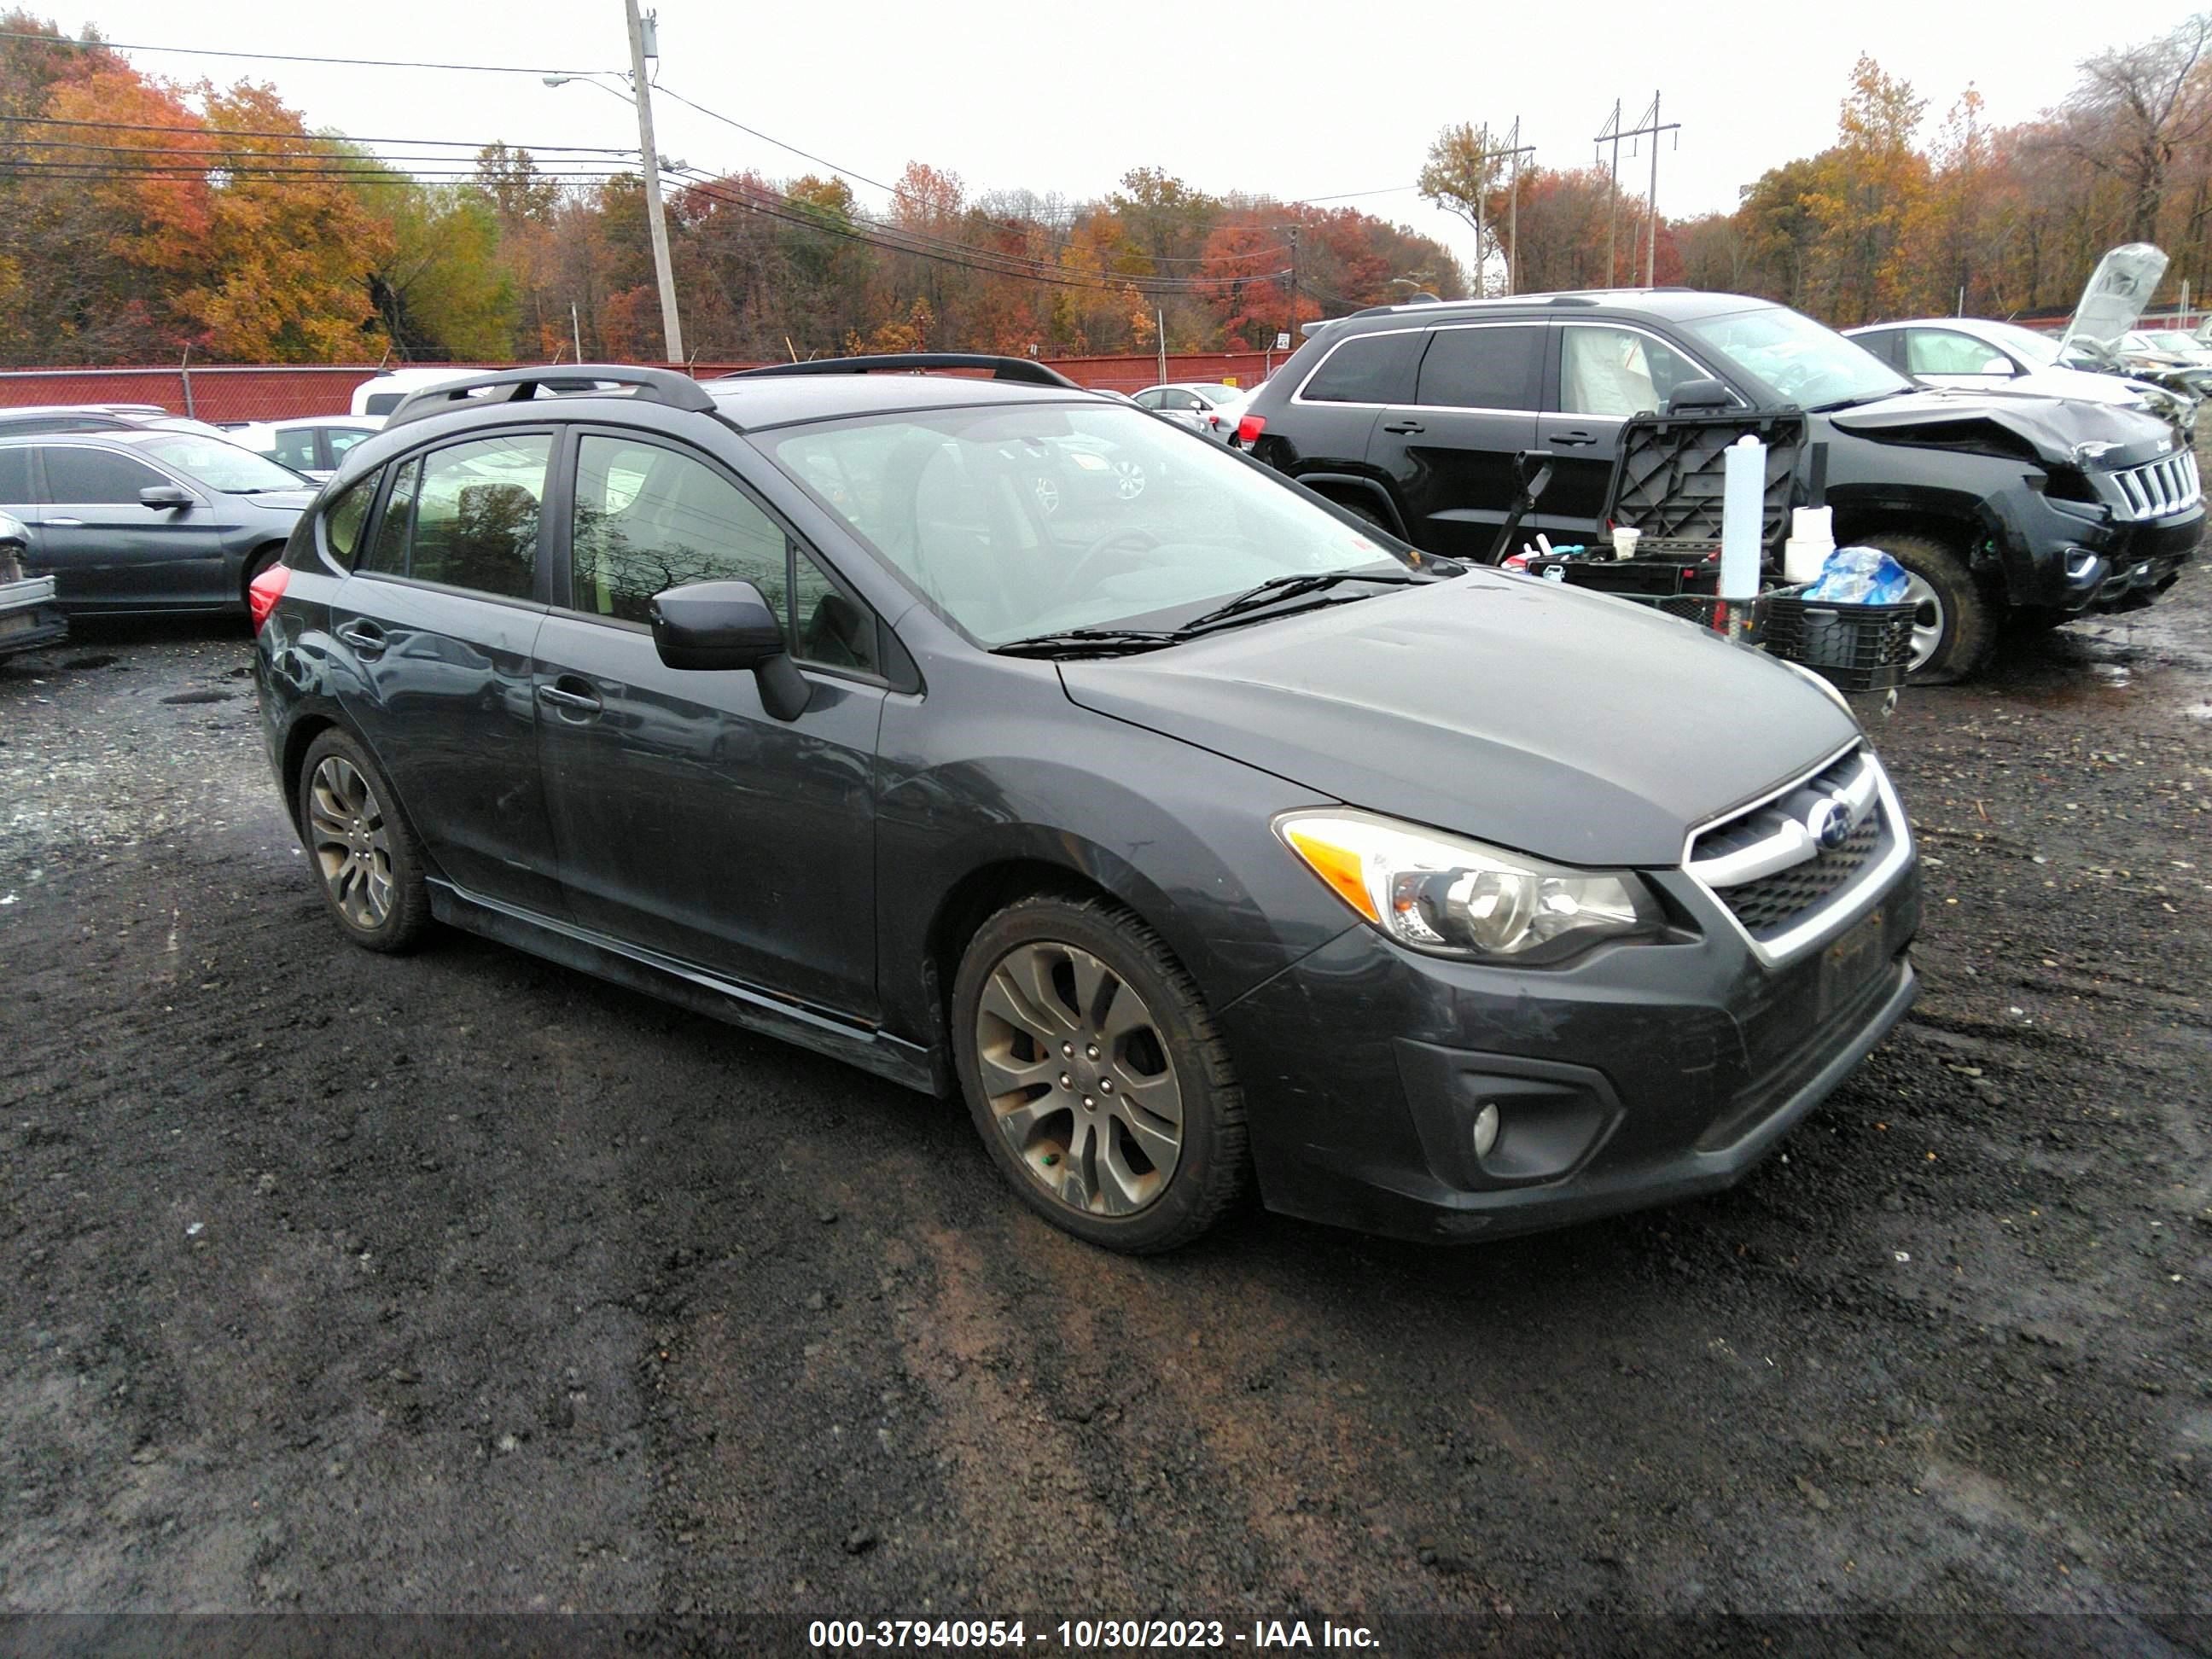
1958 620
1095 1074
368 864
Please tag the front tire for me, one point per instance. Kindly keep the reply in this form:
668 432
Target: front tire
1095 1076
367 863
1956 623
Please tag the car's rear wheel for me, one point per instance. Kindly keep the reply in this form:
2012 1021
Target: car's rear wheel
367 861
1954 620
1095 1076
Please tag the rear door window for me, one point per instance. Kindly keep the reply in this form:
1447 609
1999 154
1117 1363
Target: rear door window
388 554
1372 368
14 477
1494 368
296 448
476 515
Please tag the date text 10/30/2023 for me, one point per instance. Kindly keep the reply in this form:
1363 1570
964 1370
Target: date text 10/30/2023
1080 1635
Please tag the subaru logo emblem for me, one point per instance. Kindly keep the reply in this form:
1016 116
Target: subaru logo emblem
1829 823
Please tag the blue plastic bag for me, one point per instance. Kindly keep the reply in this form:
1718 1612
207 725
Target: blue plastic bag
1860 575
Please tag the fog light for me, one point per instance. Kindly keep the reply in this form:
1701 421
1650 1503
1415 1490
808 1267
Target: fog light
2079 562
1485 1129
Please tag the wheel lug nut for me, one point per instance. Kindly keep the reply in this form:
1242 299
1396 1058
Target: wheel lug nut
1067 1048
1087 1102
1067 1082
1105 1085
1092 1051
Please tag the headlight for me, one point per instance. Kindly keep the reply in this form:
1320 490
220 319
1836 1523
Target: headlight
1452 897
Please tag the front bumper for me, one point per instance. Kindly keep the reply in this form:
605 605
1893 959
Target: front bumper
28 616
1645 1075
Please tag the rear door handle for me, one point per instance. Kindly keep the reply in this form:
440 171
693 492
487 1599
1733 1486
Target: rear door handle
1404 426
1572 439
563 696
364 637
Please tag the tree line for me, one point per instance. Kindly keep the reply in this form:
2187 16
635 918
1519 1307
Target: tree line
151 219
1893 220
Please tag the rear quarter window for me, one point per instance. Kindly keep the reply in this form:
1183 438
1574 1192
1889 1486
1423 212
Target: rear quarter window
1369 369
342 521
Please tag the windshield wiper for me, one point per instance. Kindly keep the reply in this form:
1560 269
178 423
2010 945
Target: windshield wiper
1089 642
1277 588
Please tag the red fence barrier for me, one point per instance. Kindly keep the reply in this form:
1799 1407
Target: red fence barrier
277 392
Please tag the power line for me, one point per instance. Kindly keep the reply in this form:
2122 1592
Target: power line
283 57
316 137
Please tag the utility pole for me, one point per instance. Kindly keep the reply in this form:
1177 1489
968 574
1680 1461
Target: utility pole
1610 133
1514 149
671 329
1293 330
1648 125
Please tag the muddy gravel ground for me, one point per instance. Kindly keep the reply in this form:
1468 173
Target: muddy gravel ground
466 1283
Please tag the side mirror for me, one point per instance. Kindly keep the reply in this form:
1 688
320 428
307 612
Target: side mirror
724 626
1699 394
1997 365
167 495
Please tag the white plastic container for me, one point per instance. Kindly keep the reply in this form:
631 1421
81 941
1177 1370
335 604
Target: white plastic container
1812 538
1743 515
1624 540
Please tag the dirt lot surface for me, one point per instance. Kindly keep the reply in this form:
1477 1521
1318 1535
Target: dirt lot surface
464 1282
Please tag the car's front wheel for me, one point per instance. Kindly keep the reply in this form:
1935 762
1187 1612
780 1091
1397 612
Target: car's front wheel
1955 619
367 861
1095 1076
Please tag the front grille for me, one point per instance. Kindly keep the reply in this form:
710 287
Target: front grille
1767 865
1768 905
2158 489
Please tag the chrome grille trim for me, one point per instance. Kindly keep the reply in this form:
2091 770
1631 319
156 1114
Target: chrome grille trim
1753 843
2157 488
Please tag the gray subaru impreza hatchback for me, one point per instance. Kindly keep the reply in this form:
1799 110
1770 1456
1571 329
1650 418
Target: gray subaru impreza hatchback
1003 739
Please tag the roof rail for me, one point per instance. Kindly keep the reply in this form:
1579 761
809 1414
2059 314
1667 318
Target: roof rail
653 386
1024 369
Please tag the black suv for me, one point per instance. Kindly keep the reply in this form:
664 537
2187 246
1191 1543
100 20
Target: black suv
1189 831
1412 416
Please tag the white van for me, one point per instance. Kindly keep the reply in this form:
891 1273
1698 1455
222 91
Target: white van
380 396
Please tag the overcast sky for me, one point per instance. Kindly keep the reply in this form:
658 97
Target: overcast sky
1285 99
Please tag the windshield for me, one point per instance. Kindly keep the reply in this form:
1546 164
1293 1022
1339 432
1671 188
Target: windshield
1798 359
1029 520
221 465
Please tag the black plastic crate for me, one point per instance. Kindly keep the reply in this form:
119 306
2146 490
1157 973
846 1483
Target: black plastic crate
1854 648
1736 619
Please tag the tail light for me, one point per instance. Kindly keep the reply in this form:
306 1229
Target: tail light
1250 428
263 592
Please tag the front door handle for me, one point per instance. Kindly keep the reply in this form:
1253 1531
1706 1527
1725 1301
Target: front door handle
1572 439
563 696
366 637
1404 426
64 524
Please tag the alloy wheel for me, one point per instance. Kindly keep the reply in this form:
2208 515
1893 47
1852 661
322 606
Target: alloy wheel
1927 619
1079 1078
351 842
1128 480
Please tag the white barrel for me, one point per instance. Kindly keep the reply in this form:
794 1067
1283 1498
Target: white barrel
1743 513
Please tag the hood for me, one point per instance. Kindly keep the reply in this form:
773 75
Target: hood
2025 424
1561 723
